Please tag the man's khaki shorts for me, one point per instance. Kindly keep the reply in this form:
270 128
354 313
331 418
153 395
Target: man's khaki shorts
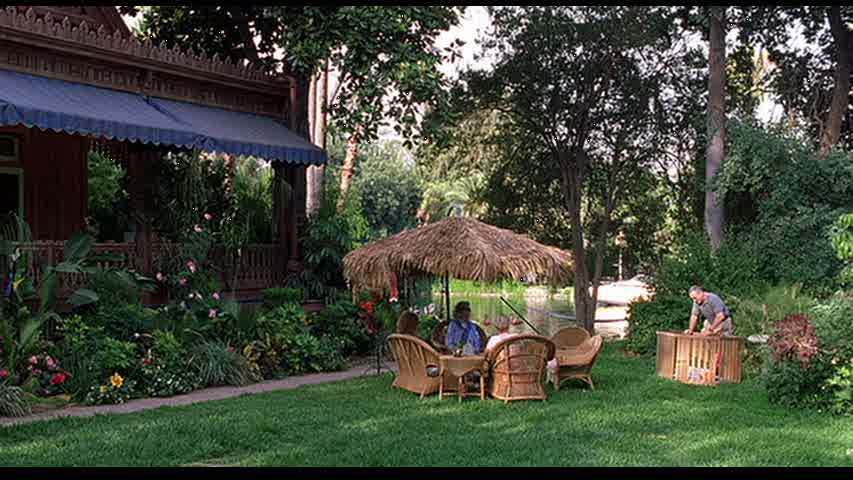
725 329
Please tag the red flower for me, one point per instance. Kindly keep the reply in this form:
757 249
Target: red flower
367 307
146 361
4 373
59 379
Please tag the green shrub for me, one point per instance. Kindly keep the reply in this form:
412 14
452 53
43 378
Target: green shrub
823 382
113 288
264 356
121 320
164 369
90 355
841 235
833 320
217 364
790 384
647 317
426 325
733 270
340 323
305 353
12 401
276 297
757 314
105 194
115 390
840 389
792 198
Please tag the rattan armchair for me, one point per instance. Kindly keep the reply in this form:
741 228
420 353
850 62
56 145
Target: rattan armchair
439 336
570 337
518 364
577 362
414 356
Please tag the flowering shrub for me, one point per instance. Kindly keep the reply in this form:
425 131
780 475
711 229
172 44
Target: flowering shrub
794 338
48 373
116 390
163 371
160 381
840 387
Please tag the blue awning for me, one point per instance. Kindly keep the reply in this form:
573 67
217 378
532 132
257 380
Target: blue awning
62 106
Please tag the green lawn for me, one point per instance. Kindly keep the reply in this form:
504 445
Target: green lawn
633 418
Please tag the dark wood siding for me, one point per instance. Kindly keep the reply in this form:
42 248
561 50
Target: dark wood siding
55 181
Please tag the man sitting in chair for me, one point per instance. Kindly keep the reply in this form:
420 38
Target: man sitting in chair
461 331
718 320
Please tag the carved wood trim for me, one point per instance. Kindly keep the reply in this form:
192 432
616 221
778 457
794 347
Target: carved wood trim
71 68
29 29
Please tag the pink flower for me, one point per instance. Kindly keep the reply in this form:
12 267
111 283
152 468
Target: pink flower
183 281
160 277
198 229
191 266
216 296
211 313
34 360
37 372
50 363
4 373
208 217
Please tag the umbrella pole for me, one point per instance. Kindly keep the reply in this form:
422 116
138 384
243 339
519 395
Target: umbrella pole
447 297
520 316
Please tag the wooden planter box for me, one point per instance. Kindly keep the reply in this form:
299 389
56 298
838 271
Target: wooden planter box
677 353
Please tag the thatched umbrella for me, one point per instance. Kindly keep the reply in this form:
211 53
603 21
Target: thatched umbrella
458 247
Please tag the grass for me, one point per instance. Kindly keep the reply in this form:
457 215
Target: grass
633 418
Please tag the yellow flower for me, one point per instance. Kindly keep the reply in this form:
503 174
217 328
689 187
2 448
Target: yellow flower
103 389
116 380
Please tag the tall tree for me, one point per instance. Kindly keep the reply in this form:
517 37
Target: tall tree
843 40
575 86
384 57
813 78
716 153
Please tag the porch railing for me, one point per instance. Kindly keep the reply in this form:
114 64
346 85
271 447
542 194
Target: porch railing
256 269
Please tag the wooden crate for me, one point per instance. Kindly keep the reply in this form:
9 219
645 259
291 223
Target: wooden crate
677 353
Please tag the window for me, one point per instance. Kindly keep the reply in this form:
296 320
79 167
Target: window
8 148
11 181
11 194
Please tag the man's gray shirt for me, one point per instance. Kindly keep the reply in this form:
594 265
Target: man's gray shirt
710 307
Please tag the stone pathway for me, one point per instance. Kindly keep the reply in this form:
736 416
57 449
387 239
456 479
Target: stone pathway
208 394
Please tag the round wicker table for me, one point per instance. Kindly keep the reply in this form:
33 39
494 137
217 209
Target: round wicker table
458 367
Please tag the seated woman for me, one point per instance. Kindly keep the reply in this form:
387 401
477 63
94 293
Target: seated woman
461 331
407 324
502 323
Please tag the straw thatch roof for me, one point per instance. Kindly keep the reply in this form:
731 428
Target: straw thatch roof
461 247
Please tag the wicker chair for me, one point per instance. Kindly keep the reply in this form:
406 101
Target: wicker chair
413 357
577 362
518 364
570 337
439 336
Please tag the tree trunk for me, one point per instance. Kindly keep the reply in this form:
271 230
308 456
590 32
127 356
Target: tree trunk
317 173
310 190
348 169
841 93
715 155
572 166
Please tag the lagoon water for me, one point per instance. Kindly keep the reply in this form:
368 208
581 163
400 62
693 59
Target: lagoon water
533 308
